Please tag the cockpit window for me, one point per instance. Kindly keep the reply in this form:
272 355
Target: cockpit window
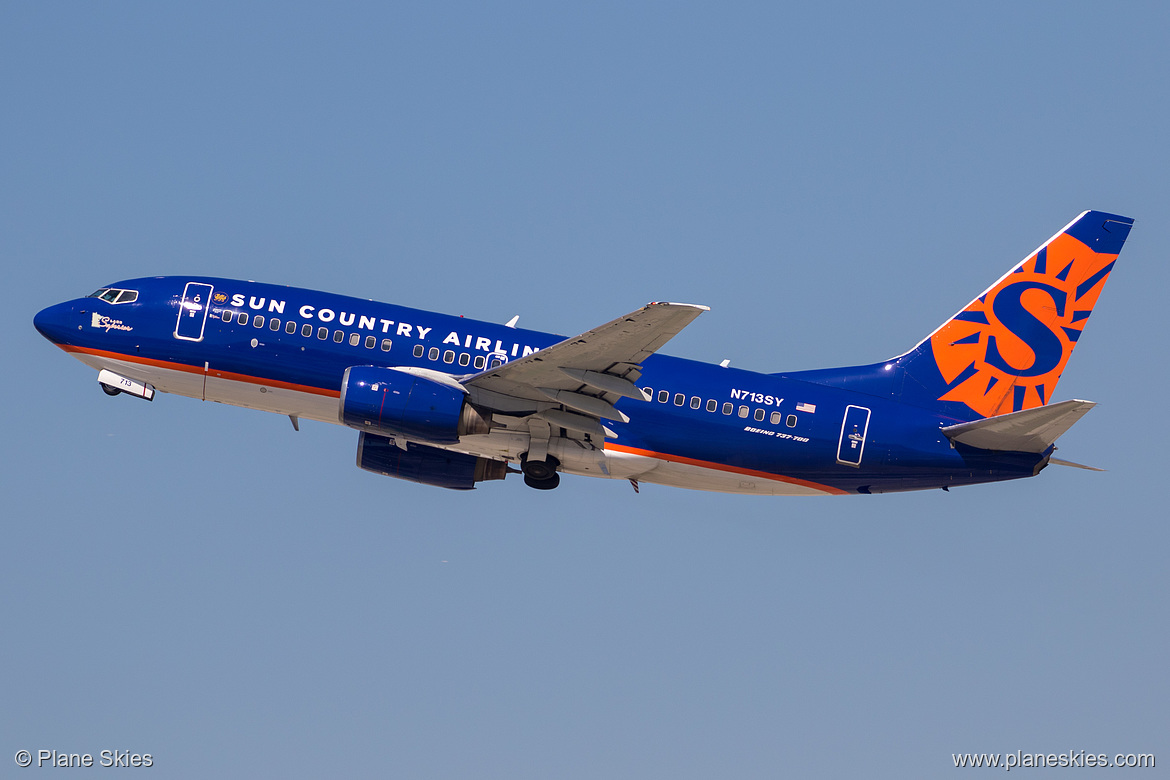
111 295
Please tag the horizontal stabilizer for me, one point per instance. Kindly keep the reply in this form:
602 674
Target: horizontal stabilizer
1060 462
1031 430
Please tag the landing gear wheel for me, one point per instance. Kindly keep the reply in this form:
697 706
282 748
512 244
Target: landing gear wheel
543 484
540 474
110 391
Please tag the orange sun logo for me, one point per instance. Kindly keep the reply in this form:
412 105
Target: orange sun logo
1005 352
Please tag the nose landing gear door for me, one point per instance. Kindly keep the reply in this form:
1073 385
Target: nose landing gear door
853 430
193 311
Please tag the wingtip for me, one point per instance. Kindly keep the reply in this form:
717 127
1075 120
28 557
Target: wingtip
698 306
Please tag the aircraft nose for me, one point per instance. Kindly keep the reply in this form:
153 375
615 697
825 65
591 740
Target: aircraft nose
54 322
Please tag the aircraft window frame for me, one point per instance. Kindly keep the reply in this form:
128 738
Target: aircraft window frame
728 407
790 421
480 362
775 418
371 341
307 330
759 415
242 319
712 405
464 359
680 399
419 349
355 339
663 396
258 321
290 327
449 356
274 324
386 344
338 336
322 333
127 296
696 402
110 295
496 362
744 412
433 354
97 293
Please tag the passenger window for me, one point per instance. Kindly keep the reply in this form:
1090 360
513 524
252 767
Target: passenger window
385 345
290 328
418 350
371 341
306 330
464 359
679 399
727 407
496 362
712 405
791 421
449 356
696 402
775 418
355 339
662 396
743 411
322 333
258 321
243 320
338 336
759 415
274 324
433 353
480 362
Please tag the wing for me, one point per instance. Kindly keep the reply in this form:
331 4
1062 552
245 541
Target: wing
575 383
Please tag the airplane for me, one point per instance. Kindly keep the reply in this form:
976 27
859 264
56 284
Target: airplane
452 402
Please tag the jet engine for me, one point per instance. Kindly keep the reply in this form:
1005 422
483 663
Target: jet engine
394 403
428 465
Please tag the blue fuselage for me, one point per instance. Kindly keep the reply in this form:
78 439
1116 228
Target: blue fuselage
286 344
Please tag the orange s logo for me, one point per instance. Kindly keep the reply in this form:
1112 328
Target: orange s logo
1006 350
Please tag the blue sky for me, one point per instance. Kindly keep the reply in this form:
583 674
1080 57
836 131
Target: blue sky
203 584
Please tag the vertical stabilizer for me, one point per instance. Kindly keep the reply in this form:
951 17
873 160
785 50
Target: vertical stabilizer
1005 351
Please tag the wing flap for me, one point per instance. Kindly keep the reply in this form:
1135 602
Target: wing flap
613 350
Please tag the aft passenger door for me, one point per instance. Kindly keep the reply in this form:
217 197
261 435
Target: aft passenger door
851 445
193 311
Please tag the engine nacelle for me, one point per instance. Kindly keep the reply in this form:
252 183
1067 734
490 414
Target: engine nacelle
395 403
428 465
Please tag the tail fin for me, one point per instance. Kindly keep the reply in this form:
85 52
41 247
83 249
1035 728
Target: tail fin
1005 351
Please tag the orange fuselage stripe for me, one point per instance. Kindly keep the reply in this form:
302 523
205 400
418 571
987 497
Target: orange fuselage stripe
706 464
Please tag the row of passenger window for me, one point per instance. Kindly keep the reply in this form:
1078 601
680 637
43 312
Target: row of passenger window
465 359
448 356
290 327
680 399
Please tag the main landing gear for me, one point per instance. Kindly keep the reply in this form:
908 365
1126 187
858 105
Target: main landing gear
540 474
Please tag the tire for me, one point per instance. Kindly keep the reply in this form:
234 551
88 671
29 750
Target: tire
539 470
543 484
